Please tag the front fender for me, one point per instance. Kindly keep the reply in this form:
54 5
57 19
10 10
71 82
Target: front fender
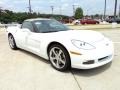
12 30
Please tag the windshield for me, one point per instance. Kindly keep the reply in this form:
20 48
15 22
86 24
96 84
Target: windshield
45 26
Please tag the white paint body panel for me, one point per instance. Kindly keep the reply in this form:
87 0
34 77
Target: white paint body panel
37 43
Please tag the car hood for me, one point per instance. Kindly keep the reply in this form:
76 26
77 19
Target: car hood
83 35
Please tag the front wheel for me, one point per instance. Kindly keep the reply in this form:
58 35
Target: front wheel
59 57
12 42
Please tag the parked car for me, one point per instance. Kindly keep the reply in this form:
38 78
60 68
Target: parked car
89 21
76 22
65 48
117 20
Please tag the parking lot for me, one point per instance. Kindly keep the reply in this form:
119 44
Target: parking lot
21 70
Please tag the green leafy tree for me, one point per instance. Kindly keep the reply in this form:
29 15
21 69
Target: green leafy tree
7 16
78 13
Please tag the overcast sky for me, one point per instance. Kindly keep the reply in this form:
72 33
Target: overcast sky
43 6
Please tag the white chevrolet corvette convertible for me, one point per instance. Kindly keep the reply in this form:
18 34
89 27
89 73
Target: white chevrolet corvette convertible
65 48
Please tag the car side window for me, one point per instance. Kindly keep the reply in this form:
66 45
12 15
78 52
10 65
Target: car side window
28 25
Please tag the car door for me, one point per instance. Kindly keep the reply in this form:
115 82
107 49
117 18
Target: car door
29 39
21 35
33 42
88 21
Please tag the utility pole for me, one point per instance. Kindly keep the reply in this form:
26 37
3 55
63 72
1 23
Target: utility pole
105 10
73 10
0 8
115 10
52 8
119 10
0 11
30 9
0 15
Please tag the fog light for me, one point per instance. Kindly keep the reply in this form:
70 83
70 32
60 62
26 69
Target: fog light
89 62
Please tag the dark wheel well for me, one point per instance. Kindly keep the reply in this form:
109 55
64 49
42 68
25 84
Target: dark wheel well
53 43
9 34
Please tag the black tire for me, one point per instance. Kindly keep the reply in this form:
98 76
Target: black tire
76 23
64 57
97 22
12 42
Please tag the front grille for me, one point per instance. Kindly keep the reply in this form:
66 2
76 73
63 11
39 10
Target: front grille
104 58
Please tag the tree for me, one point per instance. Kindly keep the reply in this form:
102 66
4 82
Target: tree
7 16
78 13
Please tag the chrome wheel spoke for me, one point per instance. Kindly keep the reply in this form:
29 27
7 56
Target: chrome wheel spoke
62 61
57 64
60 52
53 51
53 58
11 41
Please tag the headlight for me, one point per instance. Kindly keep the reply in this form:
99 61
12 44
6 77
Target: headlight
82 45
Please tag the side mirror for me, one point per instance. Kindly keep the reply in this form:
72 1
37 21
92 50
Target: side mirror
25 30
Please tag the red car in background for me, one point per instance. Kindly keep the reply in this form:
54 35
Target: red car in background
89 21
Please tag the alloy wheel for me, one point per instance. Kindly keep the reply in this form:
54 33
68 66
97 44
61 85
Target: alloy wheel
57 57
11 41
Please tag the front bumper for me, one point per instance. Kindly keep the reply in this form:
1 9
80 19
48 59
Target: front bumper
89 59
91 63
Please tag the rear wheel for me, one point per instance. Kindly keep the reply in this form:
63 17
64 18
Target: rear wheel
59 57
12 42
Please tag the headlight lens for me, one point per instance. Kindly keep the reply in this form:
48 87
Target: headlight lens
82 45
